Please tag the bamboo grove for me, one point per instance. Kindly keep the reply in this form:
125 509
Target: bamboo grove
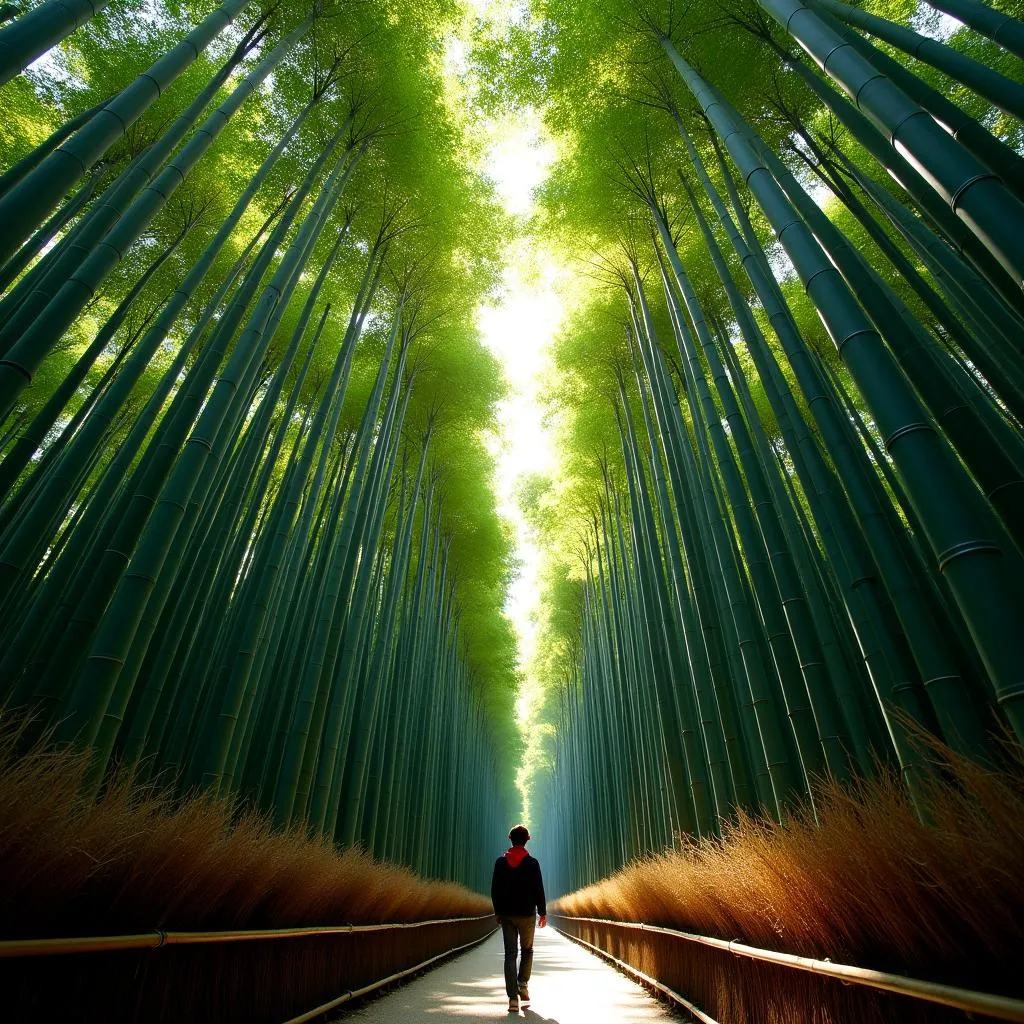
794 394
247 543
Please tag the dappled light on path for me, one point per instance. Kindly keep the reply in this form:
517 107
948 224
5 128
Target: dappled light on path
569 986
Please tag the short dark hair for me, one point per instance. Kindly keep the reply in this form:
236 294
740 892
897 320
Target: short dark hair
519 835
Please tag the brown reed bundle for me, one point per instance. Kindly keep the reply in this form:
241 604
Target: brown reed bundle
137 859
867 881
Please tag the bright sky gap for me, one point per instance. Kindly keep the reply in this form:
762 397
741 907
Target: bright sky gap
518 327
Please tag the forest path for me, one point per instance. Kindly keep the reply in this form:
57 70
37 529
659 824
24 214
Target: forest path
569 986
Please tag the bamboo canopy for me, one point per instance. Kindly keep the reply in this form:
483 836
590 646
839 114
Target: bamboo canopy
248 536
244 546
786 546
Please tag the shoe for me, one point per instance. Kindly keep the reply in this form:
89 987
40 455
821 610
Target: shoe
524 995
513 1005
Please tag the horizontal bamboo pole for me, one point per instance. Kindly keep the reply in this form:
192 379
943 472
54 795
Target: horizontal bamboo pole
159 939
646 979
1000 1007
367 989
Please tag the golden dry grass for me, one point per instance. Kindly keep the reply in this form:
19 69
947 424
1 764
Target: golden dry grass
138 859
867 883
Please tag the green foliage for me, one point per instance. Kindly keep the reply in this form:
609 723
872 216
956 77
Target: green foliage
614 105
632 421
416 176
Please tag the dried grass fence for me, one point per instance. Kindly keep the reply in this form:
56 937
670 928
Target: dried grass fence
138 860
867 883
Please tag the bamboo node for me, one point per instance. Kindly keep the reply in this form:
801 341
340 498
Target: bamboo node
824 63
968 547
895 129
862 87
18 367
955 198
910 428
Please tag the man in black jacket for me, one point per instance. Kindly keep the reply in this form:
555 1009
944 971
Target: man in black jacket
517 893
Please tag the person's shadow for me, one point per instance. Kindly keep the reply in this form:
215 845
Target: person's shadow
533 1015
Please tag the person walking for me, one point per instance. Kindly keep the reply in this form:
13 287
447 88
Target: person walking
517 894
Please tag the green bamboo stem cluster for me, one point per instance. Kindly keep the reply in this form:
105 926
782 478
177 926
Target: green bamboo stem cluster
777 593
250 594
27 202
996 88
31 35
1000 28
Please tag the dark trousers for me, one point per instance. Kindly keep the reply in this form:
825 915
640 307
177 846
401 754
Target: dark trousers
517 932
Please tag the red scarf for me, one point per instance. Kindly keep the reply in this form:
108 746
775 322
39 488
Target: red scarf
516 856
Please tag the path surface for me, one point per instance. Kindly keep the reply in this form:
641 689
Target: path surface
569 986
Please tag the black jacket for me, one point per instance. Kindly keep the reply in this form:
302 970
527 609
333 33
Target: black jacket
517 892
